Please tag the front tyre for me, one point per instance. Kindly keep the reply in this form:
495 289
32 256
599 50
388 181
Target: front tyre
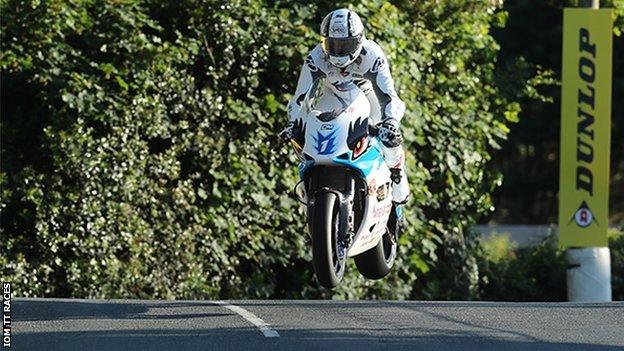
328 264
377 262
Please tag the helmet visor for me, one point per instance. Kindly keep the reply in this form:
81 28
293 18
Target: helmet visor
341 46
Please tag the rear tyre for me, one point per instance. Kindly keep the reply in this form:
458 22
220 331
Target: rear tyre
377 262
328 266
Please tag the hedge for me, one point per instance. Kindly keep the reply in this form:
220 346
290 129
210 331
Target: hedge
538 272
137 146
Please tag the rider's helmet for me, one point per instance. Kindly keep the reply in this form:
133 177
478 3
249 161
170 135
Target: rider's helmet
342 34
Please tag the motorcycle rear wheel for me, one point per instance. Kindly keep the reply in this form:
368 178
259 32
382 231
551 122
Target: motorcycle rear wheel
377 262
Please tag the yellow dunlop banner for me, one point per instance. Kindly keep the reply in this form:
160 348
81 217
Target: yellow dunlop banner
585 128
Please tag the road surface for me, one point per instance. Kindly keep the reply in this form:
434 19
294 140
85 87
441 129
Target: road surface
60 324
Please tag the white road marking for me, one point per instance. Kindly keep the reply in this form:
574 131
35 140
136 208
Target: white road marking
252 318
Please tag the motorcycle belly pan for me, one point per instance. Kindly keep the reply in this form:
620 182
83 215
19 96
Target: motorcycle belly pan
376 214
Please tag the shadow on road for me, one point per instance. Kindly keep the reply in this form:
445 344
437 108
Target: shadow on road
303 325
48 310
142 339
303 339
434 304
428 339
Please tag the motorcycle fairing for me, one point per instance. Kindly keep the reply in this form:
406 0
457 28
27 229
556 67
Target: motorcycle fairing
370 160
330 143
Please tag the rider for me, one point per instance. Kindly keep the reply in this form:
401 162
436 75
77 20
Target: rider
345 56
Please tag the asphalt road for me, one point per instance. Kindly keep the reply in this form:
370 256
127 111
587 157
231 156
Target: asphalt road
57 324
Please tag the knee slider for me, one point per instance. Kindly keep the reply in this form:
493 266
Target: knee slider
395 175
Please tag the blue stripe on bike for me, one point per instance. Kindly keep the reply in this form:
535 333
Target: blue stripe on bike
369 161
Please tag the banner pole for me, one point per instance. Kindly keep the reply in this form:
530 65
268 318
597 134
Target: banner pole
589 268
594 4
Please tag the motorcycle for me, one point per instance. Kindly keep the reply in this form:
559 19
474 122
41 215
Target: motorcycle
345 184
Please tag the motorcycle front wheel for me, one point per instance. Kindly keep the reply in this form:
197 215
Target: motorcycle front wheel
329 265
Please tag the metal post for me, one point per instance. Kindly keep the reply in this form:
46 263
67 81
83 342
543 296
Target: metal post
594 4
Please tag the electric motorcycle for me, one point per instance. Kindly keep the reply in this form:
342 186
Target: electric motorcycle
345 184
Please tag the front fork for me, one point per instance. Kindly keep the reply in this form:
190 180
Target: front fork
346 231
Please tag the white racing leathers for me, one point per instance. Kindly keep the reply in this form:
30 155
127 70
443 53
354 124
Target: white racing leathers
370 72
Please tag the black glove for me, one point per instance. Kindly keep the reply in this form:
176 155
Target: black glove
287 133
389 133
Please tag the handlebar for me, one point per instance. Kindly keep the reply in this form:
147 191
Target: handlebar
373 131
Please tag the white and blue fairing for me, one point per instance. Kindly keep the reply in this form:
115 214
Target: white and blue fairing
333 131
325 138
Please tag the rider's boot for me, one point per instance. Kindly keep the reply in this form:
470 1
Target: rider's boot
400 186
395 159
398 224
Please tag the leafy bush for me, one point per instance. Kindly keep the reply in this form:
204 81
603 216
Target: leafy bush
616 247
536 273
137 160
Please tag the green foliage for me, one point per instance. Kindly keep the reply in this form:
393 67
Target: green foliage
535 273
529 72
498 247
137 162
457 120
616 248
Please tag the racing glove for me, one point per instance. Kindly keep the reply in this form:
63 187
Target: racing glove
287 133
389 133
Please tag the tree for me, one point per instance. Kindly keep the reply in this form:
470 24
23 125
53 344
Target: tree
531 43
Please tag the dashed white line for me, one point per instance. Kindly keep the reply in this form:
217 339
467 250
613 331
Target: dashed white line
252 318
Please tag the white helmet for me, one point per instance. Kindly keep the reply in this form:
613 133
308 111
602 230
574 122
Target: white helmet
342 34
